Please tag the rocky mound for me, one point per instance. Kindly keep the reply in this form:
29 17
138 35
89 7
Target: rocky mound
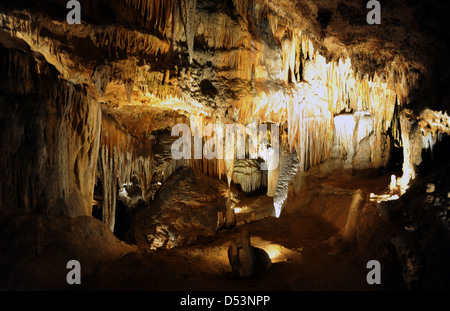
35 250
188 208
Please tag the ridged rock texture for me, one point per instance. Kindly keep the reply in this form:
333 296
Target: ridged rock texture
50 141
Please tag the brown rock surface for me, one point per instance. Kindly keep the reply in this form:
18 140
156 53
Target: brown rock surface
185 211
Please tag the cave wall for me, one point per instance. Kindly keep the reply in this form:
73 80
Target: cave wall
50 139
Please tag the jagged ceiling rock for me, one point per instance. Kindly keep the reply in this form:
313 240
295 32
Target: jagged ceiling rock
174 54
152 64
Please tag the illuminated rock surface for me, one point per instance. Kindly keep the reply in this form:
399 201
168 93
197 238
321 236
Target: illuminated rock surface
86 112
185 211
246 259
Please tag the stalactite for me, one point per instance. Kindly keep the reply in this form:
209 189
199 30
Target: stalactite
190 21
108 169
409 172
121 157
156 11
129 84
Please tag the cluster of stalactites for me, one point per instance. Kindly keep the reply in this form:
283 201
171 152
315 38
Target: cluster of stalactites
247 144
326 89
132 158
114 39
121 158
158 12
167 16
248 174
310 122
346 90
110 40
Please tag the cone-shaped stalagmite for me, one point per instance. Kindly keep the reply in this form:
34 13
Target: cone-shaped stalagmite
246 259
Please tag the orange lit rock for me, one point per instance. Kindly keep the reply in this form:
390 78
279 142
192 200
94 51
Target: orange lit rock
185 211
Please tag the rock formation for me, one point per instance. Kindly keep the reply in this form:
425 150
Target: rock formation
245 259
185 211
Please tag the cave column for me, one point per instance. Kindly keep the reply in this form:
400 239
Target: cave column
230 219
108 169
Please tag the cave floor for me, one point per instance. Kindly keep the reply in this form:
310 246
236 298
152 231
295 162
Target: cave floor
305 250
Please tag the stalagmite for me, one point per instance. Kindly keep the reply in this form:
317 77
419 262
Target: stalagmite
245 259
129 84
349 233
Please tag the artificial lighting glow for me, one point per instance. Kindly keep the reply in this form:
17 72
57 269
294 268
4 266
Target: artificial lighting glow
383 197
393 184
242 209
408 175
274 251
238 210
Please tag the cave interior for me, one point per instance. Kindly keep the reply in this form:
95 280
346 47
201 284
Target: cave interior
353 165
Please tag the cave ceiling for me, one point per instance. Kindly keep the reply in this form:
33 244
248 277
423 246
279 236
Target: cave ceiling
151 64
